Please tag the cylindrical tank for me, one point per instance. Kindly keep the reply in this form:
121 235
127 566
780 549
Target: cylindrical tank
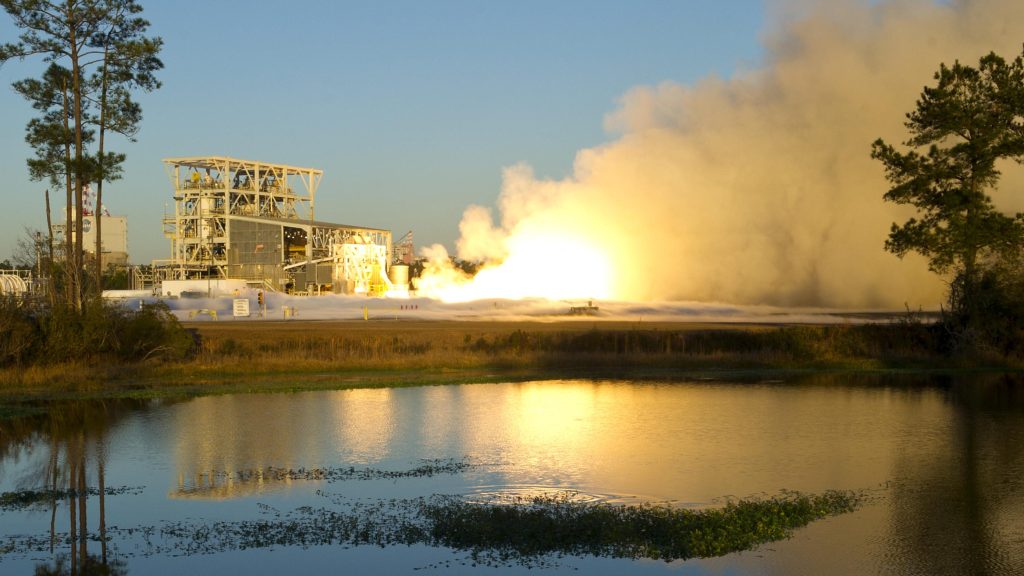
399 276
11 284
206 213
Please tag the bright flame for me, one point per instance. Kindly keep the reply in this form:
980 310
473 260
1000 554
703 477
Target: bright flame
548 264
548 244
753 189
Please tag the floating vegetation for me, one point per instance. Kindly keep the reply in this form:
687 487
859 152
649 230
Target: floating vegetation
546 525
426 469
534 532
378 523
21 499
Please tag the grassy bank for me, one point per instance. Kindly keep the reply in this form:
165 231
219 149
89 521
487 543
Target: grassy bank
260 356
568 347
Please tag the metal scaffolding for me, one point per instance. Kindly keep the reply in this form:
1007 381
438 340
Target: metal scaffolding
251 220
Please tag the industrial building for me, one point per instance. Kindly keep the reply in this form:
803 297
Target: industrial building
255 221
115 237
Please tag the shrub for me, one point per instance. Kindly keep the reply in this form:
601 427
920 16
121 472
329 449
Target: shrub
993 320
20 335
154 331
47 335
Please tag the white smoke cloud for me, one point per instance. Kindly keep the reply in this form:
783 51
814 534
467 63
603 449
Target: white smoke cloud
759 189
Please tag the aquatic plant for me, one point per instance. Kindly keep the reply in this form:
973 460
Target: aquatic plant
527 530
426 468
21 499
557 524
532 531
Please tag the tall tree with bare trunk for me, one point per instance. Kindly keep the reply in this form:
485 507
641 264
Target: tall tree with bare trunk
129 62
98 54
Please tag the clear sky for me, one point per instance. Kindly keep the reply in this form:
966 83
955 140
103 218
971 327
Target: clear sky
411 108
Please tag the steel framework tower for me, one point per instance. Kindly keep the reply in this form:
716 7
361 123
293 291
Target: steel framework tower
250 220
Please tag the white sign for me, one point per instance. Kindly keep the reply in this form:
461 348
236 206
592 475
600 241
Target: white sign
241 307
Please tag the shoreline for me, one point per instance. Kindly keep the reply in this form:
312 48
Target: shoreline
299 355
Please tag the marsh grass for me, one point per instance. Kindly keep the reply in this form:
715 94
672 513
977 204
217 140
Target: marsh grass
229 357
786 346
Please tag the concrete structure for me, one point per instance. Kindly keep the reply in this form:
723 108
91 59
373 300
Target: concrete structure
115 237
254 221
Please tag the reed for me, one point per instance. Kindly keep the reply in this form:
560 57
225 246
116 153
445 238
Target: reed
243 356
471 347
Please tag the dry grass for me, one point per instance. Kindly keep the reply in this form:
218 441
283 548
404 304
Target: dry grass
554 348
279 355
422 345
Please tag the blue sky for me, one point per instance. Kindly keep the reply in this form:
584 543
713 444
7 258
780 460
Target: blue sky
411 108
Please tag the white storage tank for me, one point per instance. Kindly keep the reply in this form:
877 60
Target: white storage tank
399 276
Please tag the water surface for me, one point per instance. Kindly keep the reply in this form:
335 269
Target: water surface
942 462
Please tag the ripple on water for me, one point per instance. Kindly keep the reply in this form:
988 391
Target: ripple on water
524 493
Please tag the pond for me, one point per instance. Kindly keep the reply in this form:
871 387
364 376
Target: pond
430 479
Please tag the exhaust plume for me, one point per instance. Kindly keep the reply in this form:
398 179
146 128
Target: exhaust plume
758 189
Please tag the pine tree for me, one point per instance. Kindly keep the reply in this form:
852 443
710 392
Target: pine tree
970 119
100 53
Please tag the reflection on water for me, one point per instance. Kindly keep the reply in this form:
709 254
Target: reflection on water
69 467
215 438
945 456
972 481
89 565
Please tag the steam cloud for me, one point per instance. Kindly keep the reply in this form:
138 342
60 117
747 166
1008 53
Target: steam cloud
759 189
